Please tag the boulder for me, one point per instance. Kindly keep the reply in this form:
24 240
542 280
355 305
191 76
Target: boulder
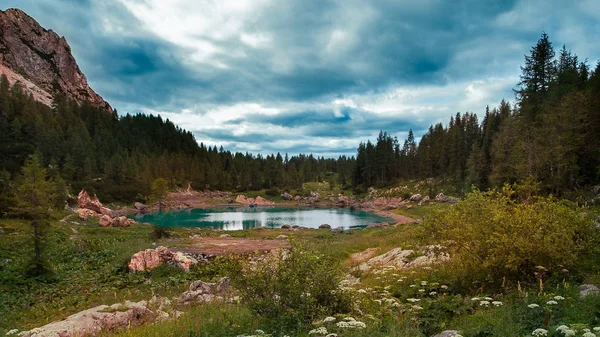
314 194
286 226
230 201
416 198
140 207
400 258
286 196
424 200
92 321
297 198
122 221
586 290
200 291
260 201
440 197
282 237
105 221
241 199
325 226
151 258
84 200
84 214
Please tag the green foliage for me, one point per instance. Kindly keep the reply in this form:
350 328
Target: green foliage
159 232
510 233
273 192
293 288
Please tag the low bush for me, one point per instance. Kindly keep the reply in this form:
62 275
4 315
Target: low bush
292 288
273 192
502 234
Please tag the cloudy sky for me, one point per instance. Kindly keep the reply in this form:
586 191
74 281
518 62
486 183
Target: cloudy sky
309 76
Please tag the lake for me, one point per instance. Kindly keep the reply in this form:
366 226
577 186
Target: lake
237 218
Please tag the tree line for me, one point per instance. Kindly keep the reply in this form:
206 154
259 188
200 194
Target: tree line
551 135
81 146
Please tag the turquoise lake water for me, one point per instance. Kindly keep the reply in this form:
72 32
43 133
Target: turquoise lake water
237 218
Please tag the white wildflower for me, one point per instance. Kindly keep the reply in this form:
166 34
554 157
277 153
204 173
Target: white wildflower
362 291
444 286
588 334
318 331
349 319
597 329
474 299
259 332
423 283
558 298
562 328
539 332
551 302
413 300
417 307
378 301
351 325
413 285
497 303
387 287
570 333
533 306
421 290
329 319
586 330
484 303
332 335
433 293
488 298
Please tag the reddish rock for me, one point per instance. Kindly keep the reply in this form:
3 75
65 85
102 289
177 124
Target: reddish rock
151 258
41 61
84 200
92 321
105 221
260 201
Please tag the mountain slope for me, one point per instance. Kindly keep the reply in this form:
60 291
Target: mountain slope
41 61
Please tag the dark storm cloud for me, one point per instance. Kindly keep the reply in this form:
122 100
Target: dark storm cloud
285 54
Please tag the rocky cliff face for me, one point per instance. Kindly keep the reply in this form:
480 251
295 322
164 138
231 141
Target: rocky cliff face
41 61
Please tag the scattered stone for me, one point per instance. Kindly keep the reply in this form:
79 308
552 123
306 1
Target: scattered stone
315 194
282 237
261 228
230 201
440 197
295 226
286 226
12 332
424 200
286 196
447 333
325 226
401 258
297 198
225 236
201 291
586 290
363 256
378 225
151 258
416 198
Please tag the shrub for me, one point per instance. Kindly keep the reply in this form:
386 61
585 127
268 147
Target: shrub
273 192
159 232
494 234
292 288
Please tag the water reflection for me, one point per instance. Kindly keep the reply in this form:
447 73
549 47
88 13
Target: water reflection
232 218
